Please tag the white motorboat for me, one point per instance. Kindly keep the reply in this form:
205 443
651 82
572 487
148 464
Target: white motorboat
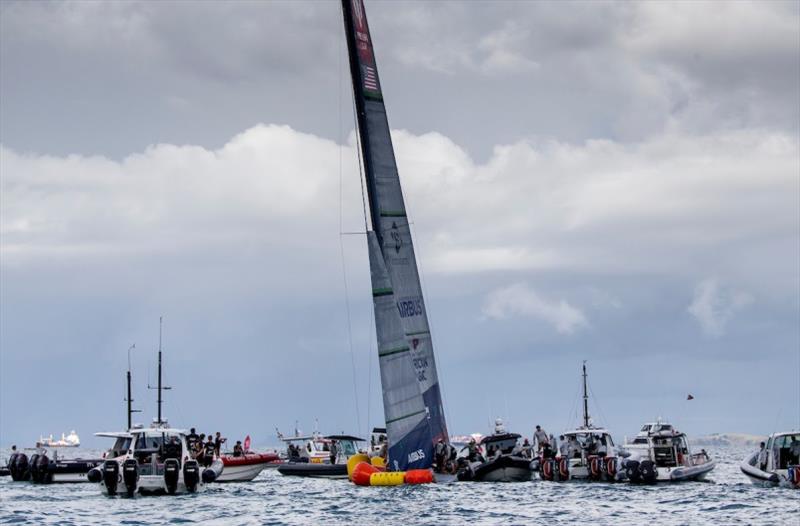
588 452
777 464
660 453
70 440
310 456
159 462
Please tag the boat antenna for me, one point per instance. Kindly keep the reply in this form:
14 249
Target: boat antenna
585 399
160 386
130 398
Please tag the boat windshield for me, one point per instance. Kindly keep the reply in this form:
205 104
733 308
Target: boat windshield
121 445
347 448
787 450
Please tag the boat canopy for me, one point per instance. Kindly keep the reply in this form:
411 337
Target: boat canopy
345 437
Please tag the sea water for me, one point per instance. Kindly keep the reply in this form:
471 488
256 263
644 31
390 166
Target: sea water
726 498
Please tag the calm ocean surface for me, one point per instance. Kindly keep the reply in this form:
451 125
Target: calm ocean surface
727 498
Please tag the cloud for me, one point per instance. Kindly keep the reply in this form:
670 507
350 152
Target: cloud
521 300
713 306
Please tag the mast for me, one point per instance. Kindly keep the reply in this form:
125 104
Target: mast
160 387
130 397
585 399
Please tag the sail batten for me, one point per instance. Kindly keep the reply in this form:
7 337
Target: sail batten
408 367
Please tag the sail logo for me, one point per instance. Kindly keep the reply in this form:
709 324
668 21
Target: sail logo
410 307
415 456
358 10
398 241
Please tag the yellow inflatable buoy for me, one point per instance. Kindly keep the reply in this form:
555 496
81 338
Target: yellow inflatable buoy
378 462
387 478
353 461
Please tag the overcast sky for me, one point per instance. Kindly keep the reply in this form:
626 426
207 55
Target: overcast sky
611 182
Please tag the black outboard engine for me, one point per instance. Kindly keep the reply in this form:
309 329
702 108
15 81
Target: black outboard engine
191 475
130 475
171 475
648 470
111 476
34 467
10 464
632 471
19 467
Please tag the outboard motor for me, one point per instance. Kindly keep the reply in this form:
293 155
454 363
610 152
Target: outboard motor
111 476
130 475
20 468
611 468
34 467
563 469
632 471
191 475
10 464
95 474
172 473
648 470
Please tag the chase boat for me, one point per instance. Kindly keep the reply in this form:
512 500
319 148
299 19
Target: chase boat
313 457
504 460
779 465
660 453
587 452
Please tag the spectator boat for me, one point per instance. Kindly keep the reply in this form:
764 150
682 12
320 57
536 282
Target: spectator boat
779 465
310 456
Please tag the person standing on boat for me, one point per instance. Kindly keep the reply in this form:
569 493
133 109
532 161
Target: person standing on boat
563 447
333 451
762 457
218 441
440 454
540 438
208 453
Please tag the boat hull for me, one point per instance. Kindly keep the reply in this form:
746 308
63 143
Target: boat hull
303 469
504 468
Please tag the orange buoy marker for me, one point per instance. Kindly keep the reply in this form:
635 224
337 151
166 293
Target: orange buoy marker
362 473
419 476
353 461
387 478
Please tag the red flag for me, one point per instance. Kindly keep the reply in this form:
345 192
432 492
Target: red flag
247 443
690 397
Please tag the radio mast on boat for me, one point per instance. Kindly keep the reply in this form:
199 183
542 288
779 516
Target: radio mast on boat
160 387
130 398
585 399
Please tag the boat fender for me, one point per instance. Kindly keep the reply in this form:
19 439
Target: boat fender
95 475
111 476
387 478
191 475
130 475
648 470
171 475
353 461
362 473
419 476
563 469
611 468
548 469
595 468
794 476
632 471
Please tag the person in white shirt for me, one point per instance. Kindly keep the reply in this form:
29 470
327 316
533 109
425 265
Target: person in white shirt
762 457
563 447
499 428
540 437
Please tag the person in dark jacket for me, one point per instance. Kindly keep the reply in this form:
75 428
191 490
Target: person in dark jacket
238 450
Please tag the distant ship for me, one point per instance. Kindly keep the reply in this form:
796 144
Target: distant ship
71 440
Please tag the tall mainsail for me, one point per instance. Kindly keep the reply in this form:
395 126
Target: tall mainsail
414 418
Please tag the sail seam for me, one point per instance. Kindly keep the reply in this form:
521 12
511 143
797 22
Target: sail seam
406 416
396 350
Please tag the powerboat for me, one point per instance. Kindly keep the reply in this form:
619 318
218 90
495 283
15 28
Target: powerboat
310 456
777 464
247 465
159 462
587 453
661 453
504 459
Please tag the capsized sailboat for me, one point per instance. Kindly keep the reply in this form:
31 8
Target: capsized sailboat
412 400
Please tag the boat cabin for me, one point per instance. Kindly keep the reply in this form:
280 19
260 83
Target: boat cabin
122 443
665 445
586 442
783 450
151 447
501 443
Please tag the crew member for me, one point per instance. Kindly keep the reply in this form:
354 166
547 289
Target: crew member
333 452
191 441
208 452
563 447
473 453
525 451
499 428
762 456
238 450
540 438
218 441
440 454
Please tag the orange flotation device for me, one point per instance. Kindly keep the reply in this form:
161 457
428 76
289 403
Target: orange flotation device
419 476
362 472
